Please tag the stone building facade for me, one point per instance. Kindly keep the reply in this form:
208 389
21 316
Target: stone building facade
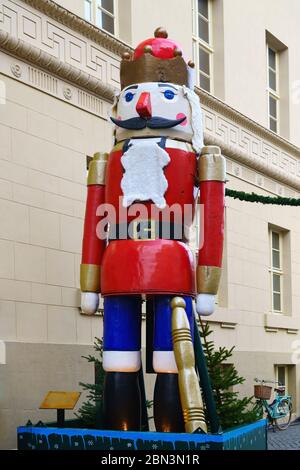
59 68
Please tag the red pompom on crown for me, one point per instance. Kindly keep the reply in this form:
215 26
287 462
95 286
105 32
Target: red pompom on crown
159 46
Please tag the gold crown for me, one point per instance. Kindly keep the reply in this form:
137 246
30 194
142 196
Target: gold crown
149 67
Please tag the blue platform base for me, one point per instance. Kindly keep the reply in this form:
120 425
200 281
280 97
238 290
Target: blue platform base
249 437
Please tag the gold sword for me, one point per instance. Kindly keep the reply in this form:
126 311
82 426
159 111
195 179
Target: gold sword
189 389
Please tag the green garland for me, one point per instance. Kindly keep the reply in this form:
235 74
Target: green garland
252 197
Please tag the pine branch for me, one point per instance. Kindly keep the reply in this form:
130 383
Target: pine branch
231 409
91 411
252 197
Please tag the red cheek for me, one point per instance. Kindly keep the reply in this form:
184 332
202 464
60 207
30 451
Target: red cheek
119 118
180 116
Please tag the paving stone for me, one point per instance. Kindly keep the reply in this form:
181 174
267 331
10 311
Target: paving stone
285 440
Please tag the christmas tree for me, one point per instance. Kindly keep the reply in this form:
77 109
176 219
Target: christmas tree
232 410
91 412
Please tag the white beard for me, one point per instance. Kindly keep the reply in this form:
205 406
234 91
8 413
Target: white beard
144 177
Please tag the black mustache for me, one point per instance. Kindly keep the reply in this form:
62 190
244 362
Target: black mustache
155 122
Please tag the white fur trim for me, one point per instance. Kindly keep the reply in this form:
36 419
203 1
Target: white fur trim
191 77
121 361
197 121
177 144
144 178
89 302
205 304
164 362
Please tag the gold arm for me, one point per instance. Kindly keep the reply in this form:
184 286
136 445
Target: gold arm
211 165
90 278
189 389
97 169
208 279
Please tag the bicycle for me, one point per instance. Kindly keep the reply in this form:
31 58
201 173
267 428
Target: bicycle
279 412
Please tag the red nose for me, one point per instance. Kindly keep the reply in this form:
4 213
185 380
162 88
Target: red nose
143 107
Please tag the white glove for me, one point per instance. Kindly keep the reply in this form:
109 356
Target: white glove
89 302
205 304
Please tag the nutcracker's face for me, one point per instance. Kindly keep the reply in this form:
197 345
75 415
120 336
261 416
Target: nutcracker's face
153 109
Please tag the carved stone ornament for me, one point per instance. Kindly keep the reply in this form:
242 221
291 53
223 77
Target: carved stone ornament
68 93
16 70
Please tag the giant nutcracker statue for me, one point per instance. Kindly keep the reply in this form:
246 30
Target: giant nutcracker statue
145 192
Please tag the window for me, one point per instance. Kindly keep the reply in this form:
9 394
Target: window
202 42
273 89
276 271
102 13
88 10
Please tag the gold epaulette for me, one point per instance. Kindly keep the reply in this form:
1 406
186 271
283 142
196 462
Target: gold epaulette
97 169
211 165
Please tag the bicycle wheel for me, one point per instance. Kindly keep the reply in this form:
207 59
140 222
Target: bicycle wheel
284 408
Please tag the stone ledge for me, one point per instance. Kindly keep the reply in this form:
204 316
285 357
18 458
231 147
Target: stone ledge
78 24
96 71
224 317
109 42
237 117
34 55
281 322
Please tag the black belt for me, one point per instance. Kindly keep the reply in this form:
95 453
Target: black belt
146 230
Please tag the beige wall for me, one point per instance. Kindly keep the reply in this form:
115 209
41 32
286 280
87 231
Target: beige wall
31 371
75 6
239 42
124 15
43 149
248 250
43 174
239 39
139 18
174 15
245 25
45 136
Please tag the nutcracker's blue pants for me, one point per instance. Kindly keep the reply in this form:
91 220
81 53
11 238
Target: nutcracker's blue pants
122 333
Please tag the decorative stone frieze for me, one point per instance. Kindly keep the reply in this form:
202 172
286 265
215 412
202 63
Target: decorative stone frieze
77 62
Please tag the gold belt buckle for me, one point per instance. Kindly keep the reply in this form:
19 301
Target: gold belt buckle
144 229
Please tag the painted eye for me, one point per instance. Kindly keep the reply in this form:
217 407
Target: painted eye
129 97
169 94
